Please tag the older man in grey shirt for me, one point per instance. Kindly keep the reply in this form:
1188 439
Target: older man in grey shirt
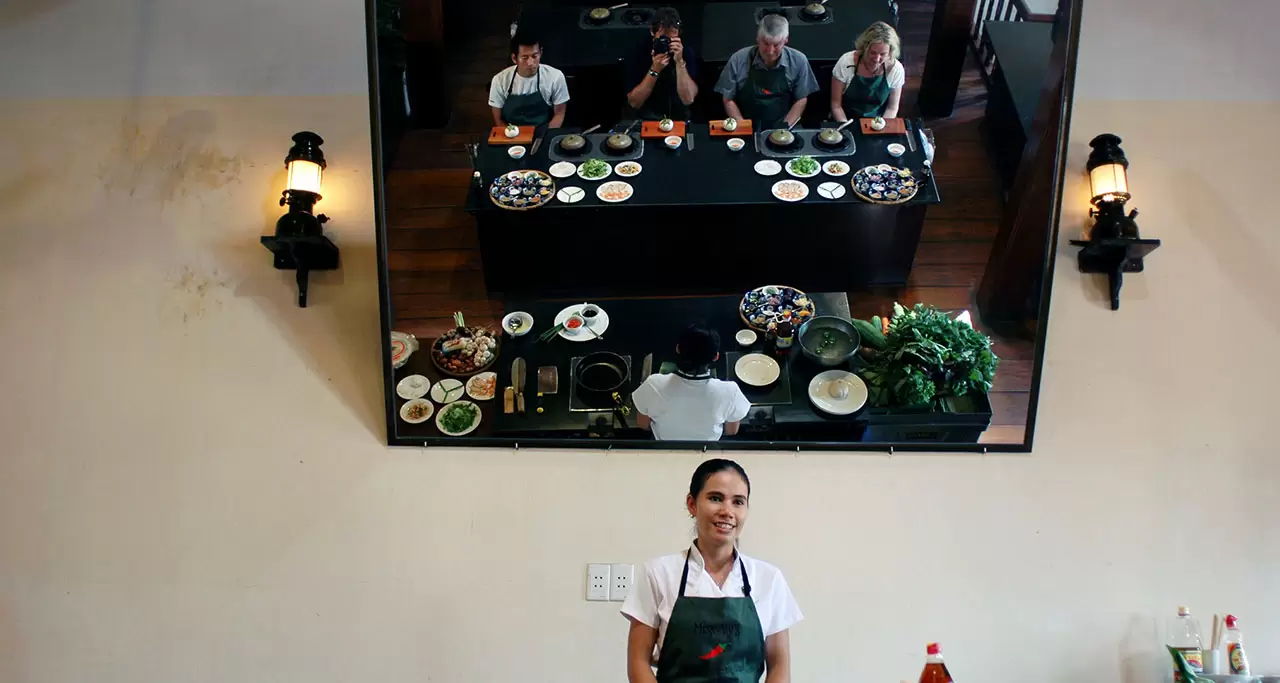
768 82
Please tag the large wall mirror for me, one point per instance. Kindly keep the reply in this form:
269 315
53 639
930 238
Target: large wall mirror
749 225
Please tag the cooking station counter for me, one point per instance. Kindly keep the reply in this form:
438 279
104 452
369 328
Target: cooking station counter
637 327
705 213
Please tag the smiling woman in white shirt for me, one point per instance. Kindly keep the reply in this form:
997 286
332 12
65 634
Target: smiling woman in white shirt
711 614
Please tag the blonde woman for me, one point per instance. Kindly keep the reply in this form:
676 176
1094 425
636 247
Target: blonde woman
868 81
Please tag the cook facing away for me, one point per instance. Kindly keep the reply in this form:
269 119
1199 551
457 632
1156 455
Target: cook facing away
868 80
528 93
711 614
690 405
767 82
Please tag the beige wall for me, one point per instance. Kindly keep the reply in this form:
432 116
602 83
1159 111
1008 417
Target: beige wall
192 486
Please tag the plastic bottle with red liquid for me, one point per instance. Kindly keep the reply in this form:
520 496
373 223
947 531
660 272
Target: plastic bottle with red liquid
935 670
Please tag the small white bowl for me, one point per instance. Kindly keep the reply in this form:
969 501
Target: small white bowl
672 141
511 131
666 125
526 323
735 144
516 151
895 149
745 337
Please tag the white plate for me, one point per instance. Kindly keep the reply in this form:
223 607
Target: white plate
582 334
474 423
413 386
768 167
562 169
606 174
831 190
404 411
619 169
447 391
795 174
612 185
820 392
781 183
473 389
757 369
571 194
827 168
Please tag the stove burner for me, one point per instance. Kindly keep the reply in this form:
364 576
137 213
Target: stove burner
577 404
637 17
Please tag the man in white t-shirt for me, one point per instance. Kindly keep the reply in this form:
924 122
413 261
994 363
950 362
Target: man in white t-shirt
528 93
690 405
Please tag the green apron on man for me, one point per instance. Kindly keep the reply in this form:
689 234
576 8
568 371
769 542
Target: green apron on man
766 95
530 109
712 640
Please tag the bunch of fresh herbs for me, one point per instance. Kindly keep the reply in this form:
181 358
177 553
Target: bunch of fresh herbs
929 357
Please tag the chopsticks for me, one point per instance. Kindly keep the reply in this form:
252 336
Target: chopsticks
551 333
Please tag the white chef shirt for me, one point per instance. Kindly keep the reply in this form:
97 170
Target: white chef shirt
654 594
690 409
847 66
554 89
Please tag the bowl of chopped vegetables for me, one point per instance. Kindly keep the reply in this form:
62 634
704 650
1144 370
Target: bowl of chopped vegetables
458 418
803 167
594 169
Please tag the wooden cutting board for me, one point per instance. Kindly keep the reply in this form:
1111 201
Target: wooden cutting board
498 136
650 129
717 129
891 127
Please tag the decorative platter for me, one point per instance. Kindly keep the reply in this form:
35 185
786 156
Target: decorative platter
884 184
763 307
522 190
464 351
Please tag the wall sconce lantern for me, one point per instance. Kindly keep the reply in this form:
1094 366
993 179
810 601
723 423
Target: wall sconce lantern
1114 246
299 243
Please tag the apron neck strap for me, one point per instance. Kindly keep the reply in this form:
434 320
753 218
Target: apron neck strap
742 567
537 83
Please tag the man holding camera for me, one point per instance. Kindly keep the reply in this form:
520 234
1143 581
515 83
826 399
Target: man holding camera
663 71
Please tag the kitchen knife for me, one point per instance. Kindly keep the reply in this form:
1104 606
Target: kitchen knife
910 142
549 379
537 143
646 368
517 381
690 136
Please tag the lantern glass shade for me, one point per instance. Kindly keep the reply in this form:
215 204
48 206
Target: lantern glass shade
304 176
1109 183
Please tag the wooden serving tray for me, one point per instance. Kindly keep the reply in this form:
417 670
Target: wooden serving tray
498 136
650 129
891 127
744 129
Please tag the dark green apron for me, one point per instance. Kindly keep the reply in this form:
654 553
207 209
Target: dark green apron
766 96
866 95
664 99
712 640
529 109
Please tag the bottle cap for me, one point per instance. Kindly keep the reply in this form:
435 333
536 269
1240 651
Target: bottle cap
1184 611
1231 621
933 649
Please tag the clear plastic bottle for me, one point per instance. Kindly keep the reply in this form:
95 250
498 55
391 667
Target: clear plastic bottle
935 670
1237 663
1184 636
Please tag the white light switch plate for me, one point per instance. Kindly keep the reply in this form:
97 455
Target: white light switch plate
620 578
598 582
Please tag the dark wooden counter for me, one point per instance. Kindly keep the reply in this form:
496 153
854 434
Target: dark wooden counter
700 221
1022 52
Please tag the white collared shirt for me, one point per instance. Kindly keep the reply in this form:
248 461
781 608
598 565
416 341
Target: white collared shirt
654 593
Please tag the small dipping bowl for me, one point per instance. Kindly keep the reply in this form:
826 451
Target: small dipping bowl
672 141
516 151
590 314
574 324
736 144
517 324
896 149
745 337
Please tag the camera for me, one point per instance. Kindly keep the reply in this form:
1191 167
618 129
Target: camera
661 45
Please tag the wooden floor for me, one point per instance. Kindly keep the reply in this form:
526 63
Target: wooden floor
434 260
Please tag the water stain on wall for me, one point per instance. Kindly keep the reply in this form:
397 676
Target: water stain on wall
192 295
170 162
